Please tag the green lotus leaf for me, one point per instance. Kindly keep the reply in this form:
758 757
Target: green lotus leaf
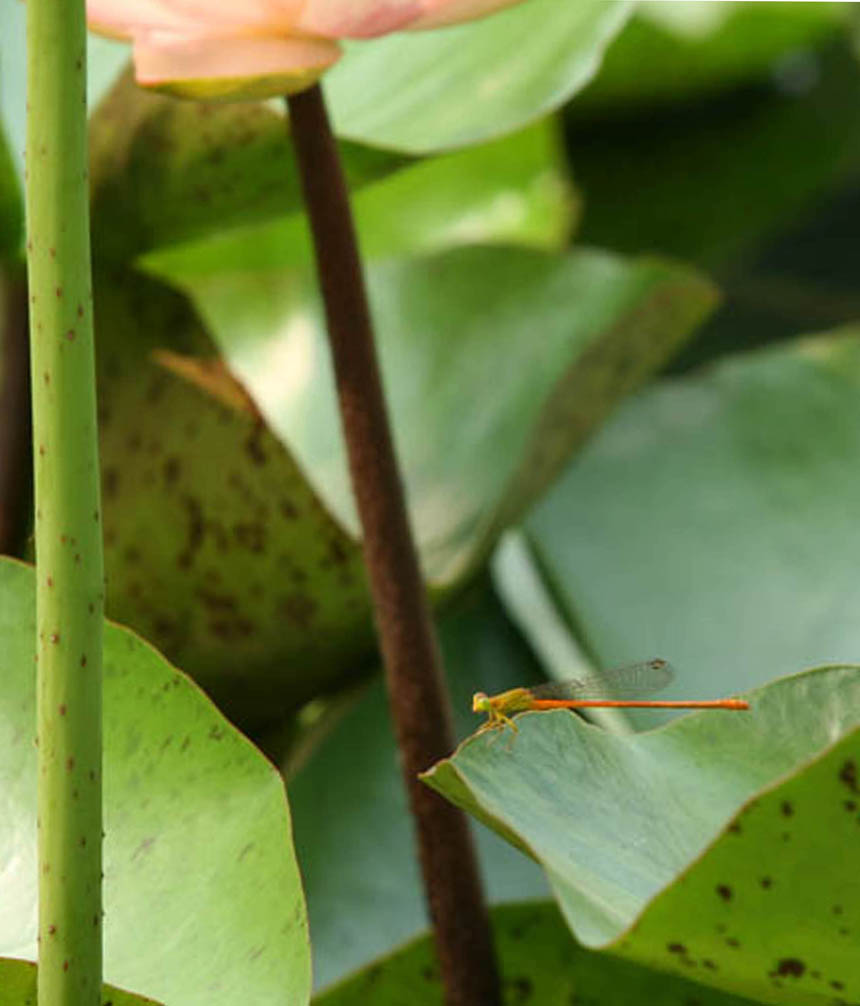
540 966
164 170
710 522
346 771
423 92
689 848
18 988
472 462
516 190
216 549
754 918
203 900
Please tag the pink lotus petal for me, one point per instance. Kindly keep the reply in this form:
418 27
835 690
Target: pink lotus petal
244 48
128 18
121 18
357 18
438 13
204 66
322 18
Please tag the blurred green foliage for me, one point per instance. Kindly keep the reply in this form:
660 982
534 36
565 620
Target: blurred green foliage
613 167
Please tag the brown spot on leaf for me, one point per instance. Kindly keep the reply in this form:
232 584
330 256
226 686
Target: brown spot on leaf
172 468
520 990
110 481
215 601
194 531
155 389
298 609
676 948
786 808
254 446
724 891
142 847
337 552
164 626
230 628
250 535
848 775
790 966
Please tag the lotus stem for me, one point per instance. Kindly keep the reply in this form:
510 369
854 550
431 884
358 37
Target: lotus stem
410 653
69 595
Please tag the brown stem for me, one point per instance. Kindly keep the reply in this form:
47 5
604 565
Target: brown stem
15 447
422 716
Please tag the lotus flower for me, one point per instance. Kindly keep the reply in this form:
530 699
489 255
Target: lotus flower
258 48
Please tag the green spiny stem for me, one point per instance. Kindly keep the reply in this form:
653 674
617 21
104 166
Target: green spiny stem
69 598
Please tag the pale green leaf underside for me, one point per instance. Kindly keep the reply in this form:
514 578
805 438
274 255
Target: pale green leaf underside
203 901
428 91
615 820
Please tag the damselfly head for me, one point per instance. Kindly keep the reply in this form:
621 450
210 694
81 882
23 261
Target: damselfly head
480 702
